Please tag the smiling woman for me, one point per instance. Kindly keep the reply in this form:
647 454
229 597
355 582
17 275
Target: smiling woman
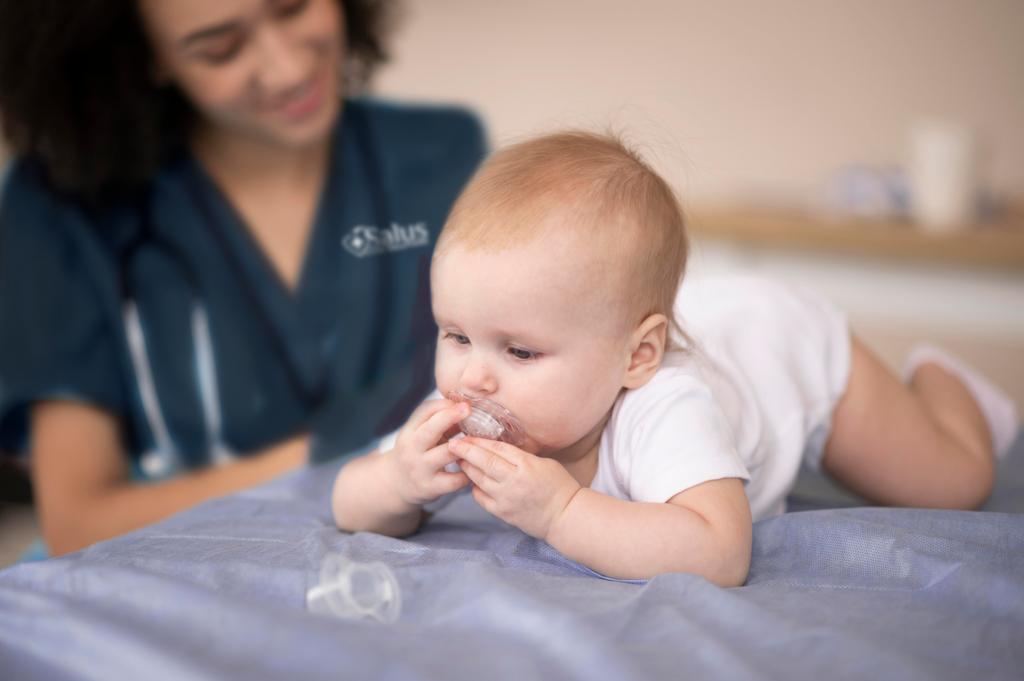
268 71
110 105
259 75
201 280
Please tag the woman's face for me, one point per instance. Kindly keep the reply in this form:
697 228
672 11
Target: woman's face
268 70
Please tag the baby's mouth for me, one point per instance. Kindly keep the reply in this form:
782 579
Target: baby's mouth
489 420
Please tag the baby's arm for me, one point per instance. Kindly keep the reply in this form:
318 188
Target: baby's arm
705 530
384 492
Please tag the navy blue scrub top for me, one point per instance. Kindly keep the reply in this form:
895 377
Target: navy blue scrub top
346 356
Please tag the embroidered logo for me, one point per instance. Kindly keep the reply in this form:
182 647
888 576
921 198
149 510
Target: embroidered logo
364 240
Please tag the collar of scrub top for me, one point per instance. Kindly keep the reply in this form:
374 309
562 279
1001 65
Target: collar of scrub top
164 460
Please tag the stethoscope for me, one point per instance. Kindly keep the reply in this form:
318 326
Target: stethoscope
164 460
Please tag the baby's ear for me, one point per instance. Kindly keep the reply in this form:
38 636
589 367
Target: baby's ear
646 347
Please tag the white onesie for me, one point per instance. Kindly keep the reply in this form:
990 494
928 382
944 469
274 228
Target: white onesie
753 399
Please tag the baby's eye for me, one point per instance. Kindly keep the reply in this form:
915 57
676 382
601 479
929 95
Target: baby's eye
460 339
522 354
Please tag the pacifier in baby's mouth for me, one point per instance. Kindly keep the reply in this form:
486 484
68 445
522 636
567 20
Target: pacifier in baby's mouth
489 420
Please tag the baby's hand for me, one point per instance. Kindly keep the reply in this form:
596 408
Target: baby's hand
416 464
522 489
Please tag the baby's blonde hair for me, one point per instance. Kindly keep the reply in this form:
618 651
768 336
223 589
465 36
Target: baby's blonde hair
611 194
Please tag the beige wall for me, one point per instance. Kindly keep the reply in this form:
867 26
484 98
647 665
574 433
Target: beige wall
736 96
760 97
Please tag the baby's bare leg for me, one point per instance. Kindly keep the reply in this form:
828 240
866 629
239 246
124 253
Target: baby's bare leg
926 445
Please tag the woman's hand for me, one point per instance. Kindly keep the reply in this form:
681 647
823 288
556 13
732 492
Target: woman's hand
522 489
415 466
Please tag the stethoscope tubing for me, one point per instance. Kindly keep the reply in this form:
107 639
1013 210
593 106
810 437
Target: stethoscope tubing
164 460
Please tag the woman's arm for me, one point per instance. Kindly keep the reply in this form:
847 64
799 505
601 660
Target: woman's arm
83 491
705 530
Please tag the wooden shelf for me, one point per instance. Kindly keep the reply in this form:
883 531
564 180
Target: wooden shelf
996 244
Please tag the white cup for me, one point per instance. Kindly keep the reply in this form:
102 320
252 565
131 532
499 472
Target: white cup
943 175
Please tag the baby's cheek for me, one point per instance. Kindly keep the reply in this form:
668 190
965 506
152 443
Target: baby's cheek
554 428
562 412
446 372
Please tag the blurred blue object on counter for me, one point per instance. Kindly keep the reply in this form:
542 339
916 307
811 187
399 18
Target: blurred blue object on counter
865 192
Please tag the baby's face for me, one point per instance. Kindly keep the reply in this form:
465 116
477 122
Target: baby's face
535 328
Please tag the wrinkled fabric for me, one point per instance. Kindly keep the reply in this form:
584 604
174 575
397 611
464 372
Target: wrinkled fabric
218 592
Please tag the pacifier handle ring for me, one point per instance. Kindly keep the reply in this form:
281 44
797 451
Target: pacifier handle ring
343 583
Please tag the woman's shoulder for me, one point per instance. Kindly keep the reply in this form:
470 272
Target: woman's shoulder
35 212
415 118
25 190
27 193
423 130
49 235
33 215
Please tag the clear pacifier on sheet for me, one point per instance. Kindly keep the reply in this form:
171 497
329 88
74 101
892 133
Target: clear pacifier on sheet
352 590
489 420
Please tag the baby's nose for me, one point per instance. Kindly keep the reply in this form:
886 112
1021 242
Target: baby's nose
478 380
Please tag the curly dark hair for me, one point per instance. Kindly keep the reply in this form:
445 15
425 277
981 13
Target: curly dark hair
77 90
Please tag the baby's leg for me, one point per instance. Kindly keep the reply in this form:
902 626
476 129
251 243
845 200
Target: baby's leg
924 445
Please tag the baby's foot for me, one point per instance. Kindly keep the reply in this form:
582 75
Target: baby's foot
998 408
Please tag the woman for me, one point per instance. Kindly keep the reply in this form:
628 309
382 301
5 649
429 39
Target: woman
212 263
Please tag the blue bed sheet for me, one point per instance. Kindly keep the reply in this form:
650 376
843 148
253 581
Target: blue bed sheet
218 593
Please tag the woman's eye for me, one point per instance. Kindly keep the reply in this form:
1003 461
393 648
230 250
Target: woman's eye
522 354
289 8
223 53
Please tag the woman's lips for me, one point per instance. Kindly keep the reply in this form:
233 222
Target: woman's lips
306 104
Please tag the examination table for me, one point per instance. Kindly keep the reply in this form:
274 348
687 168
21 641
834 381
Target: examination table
218 592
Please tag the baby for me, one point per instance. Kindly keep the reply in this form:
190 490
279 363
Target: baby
556 291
